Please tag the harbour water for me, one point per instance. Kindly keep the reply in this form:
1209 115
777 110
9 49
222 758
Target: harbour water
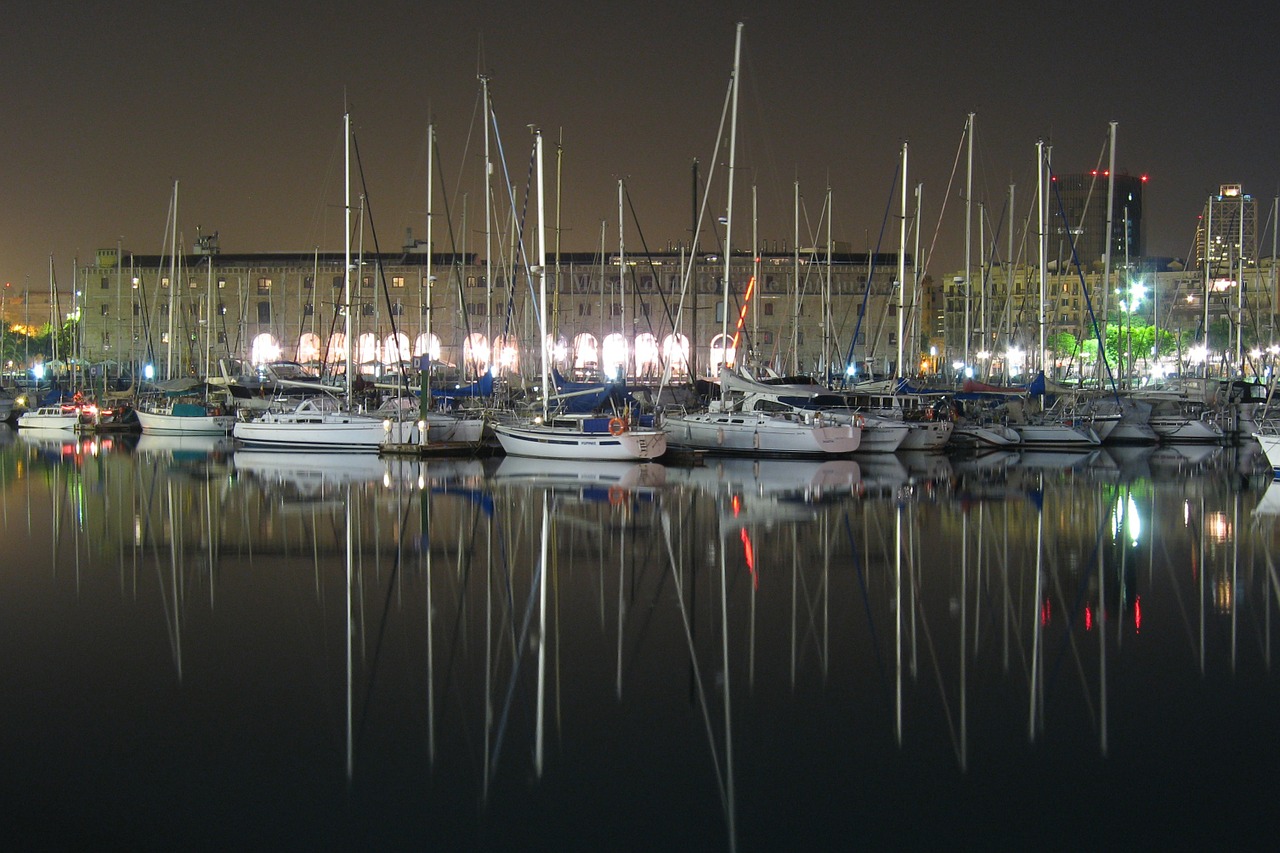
211 648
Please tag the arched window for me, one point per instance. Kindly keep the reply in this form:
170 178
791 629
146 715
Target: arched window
265 348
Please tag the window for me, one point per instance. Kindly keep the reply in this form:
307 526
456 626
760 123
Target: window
615 310
137 309
644 309
337 282
308 283
106 284
308 309
164 308
106 340
222 308
192 284
768 309
397 308
222 337
584 309
264 285
222 282
397 281
366 281
264 312
164 282
104 309
366 310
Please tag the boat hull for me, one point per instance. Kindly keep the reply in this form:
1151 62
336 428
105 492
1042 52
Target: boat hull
164 423
757 434
557 443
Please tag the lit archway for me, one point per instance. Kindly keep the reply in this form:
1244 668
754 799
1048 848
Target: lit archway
675 352
309 348
722 351
395 349
616 356
337 352
366 348
506 353
426 344
648 364
475 354
265 348
586 353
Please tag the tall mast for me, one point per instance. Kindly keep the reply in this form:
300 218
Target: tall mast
488 225
1208 249
173 284
1041 203
728 228
795 291
426 374
542 277
968 237
622 287
1106 255
826 303
902 264
755 264
346 266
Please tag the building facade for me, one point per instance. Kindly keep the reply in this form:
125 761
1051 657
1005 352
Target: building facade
791 311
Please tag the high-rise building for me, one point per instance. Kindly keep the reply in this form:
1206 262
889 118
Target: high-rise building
1227 236
1083 215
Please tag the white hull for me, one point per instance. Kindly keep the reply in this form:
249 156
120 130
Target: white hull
164 423
929 435
449 428
318 425
987 435
50 417
1177 428
760 434
1049 436
551 442
1271 447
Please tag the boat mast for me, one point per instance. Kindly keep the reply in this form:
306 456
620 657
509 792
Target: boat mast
426 374
1041 202
1208 248
622 289
346 267
728 228
488 225
795 292
968 238
1106 255
902 263
173 284
542 278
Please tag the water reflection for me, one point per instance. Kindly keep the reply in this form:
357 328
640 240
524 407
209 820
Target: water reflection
514 651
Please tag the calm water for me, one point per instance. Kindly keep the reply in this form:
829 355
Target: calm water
215 649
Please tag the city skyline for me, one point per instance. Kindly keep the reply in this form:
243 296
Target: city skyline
106 107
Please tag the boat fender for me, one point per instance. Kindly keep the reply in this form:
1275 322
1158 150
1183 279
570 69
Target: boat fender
859 421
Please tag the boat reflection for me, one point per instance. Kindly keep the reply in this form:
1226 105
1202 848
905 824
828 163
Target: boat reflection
488 626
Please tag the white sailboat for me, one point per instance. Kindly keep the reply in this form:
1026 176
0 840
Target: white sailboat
580 437
319 422
726 427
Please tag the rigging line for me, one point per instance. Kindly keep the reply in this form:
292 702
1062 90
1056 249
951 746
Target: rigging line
937 229
871 266
382 270
1075 262
657 276
455 267
697 230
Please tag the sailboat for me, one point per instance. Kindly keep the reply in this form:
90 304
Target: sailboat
55 412
320 422
582 437
181 405
726 427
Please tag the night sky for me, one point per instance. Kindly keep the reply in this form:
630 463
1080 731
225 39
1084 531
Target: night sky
104 105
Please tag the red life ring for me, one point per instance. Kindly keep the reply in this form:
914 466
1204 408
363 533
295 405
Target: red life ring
617 426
